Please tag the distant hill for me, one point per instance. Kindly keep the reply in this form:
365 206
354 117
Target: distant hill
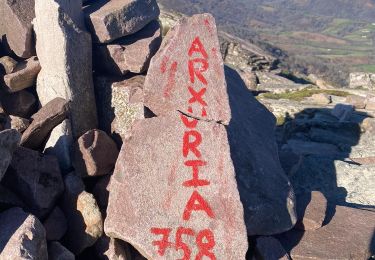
326 37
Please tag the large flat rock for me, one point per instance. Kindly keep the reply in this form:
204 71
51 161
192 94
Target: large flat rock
65 54
187 75
154 196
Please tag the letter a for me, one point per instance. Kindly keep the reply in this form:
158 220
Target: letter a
197 46
195 203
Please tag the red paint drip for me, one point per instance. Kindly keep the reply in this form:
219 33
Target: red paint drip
171 80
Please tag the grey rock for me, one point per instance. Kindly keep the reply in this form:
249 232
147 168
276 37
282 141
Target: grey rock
265 190
22 236
362 80
18 15
55 224
23 76
65 54
343 112
312 148
36 178
9 141
111 20
8 199
270 248
18 123
56 251
131 53
357 102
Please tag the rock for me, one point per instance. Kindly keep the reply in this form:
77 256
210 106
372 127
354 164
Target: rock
362 80
56 251
109 248
64 51
8 199
101 192
23 76
9 141
3 118
368 125
7 65
306 148
150 192
85 223
55 224
357 102
270 248
22 236
48 117
120 104
22 103
95 154
131 53
321 99
60 144
311 210
370 103
349 235
290 161
250 79
364 161
342 112
18 15
265 191
192 41
36 178
112 20
18 123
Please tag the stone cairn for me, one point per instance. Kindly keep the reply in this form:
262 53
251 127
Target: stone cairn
116 143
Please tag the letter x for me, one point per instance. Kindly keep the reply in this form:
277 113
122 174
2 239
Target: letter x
197 96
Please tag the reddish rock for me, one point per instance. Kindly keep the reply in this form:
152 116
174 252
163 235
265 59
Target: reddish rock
370 103
357 102
153 184
120 104
270 248
311 210
95 154
349 235
85 223
111 20
36 178
55 224
9 141
22 103
56 251
23 76
187 72
131 53
7 65
48 117
22 236
18 15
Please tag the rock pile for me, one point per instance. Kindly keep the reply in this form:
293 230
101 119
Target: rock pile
117 143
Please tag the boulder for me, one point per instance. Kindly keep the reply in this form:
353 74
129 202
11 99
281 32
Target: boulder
357 102
190 60
65 54
56 251
311 210
111 20
312 148
8 199
22 236
265 190
120 104
3 118
22 103
95 154
7 65
9 141
270 248
36 178
160 189
109 248
321 99
131 53
23 76
55 224
18 29
101 192
85 223
60 144
49 116
370 103
349 235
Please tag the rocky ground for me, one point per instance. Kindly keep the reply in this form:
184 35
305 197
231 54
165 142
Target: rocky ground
107 108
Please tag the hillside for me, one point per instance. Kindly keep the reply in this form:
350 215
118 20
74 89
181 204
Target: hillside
329 38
